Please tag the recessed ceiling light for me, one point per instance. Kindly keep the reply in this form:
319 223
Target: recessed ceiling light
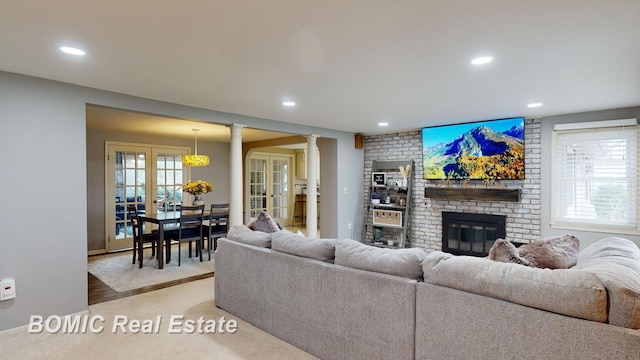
383 124
534 105
482 60
72 51
289 103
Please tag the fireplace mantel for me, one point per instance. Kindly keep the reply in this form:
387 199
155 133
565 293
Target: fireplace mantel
482 194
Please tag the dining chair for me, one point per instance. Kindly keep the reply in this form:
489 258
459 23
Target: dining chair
190 228
216 225
139 237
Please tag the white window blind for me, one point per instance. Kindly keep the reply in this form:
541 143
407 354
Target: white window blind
595 176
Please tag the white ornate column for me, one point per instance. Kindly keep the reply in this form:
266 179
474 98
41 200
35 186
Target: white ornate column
235 175
312 189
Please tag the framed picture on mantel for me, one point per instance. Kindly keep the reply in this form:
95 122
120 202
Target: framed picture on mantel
378 179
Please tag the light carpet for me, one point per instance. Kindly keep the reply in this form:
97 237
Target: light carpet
118 272
191 300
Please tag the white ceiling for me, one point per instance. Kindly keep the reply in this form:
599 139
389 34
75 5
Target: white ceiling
348 64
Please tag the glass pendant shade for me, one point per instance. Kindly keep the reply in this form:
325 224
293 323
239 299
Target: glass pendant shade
195 159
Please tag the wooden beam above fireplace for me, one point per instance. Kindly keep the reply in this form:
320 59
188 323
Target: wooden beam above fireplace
511 195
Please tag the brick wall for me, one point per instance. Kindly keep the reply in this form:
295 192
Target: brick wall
523 218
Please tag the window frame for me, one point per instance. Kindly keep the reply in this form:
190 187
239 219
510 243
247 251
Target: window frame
561 222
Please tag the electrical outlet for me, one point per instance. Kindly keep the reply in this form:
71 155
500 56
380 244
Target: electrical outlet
350 226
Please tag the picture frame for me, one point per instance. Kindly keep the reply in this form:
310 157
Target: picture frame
378 179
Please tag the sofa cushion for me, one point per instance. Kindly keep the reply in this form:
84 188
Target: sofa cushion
565 291
291 243
264 222
616 262
241 233
399 262
557 252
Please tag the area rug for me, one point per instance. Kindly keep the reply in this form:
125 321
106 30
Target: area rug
117 271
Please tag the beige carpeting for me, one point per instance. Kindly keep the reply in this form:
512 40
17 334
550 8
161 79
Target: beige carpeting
191 300
118 272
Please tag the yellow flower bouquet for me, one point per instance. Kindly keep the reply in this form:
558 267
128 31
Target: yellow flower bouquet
197 187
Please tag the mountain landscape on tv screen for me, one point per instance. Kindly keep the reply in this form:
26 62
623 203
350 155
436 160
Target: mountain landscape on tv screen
480 153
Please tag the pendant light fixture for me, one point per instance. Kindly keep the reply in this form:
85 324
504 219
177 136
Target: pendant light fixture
195 159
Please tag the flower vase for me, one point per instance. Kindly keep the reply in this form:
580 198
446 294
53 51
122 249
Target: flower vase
377 235
197 200
404 183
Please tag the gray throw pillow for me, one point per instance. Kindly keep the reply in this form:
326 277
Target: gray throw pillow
287 242
398 262
243 234
264 222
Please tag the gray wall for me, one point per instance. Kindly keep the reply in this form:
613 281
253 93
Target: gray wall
217 173
43 228
43 222
586 237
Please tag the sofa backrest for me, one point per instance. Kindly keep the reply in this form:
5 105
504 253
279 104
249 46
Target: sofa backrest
616 262
565 291
328 310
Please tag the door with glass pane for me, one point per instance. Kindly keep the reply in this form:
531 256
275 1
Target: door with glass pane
269 184
279 189
258 166
127 179
146 178
169 180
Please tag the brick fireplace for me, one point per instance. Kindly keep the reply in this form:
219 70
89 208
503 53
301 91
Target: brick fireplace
523 216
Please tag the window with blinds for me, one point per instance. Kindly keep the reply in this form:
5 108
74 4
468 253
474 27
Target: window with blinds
595 174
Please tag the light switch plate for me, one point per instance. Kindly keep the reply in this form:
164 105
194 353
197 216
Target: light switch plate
7 289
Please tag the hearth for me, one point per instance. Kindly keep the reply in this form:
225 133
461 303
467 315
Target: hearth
471 234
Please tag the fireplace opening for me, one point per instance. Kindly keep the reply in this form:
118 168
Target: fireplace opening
471 234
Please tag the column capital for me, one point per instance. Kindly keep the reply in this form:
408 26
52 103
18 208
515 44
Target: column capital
312 137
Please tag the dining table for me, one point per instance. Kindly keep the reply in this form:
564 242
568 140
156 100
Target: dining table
164 218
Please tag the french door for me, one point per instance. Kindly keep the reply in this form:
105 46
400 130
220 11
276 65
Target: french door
146 177
269 184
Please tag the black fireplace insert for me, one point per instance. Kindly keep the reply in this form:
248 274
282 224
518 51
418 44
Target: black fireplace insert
471 234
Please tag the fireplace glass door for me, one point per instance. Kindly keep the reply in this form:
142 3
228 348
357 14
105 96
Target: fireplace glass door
471 234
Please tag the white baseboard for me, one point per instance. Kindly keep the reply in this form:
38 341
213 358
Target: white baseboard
25 328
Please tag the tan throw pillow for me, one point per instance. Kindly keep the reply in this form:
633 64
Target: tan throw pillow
264 222
504 251
557 252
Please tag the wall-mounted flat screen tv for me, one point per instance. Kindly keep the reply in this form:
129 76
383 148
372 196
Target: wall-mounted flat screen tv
492 149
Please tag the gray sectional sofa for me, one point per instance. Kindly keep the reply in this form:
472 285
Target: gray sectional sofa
340 299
